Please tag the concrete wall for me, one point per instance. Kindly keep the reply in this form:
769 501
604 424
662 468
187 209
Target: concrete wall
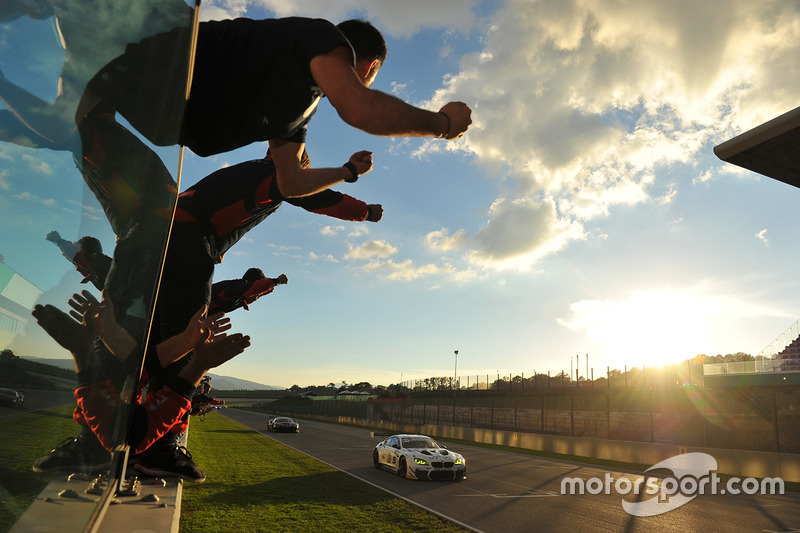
742 463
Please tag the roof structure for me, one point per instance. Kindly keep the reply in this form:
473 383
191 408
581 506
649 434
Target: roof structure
771 149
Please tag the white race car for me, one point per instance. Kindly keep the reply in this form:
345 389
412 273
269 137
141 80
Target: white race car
419 457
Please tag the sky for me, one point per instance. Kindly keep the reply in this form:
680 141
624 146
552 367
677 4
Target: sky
584 212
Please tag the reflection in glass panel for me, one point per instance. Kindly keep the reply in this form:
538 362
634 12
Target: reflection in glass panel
85 207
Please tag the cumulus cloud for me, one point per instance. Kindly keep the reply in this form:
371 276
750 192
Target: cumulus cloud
581 103
358 231
405 270
223 9
325 257
390 16
370 249
4 180
762 236
28 197
37 165
331 231
442 241
520 231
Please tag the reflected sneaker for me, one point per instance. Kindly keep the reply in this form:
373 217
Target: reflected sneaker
170 461
78 454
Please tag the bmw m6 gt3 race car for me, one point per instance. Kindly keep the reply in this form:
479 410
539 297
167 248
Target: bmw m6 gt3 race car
283 423
419 457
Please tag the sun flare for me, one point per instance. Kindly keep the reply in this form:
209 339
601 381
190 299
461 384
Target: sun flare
651 328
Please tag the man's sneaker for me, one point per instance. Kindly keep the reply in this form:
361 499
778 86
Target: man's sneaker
170 461
77 454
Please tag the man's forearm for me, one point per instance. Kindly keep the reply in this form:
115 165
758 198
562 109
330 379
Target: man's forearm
192 373
383 114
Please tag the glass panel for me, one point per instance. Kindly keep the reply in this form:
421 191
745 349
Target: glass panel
86 200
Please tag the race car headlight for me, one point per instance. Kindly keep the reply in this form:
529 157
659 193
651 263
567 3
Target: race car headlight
460 461
420 461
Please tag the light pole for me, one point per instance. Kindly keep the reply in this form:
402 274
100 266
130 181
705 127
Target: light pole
455 379
455 370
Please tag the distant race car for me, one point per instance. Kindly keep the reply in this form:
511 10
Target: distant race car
283 423
11 398
419 457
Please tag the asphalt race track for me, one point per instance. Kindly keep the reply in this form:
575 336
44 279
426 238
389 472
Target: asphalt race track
36 400
507 491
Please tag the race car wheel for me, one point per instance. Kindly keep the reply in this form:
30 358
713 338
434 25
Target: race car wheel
375 461
402 468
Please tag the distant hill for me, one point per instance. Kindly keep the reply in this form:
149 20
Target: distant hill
66 364
230 383
217 382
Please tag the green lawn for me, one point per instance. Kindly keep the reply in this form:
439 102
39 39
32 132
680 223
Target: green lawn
256 484
23 438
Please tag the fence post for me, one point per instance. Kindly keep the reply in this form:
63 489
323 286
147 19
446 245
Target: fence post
775 420
652 429
572 414
471 410
491 414
542 419
515 412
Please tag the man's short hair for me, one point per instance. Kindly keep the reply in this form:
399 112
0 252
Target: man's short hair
91 245
365 38
254 274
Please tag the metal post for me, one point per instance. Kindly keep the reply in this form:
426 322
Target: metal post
455 386
471 410
775 422
541 424
572 414
652 429
515 412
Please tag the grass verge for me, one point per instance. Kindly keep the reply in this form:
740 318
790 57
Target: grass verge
256 484
23 438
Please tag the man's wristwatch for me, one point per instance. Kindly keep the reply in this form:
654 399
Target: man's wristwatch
353 170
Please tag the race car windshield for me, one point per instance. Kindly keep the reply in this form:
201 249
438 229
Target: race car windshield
420 443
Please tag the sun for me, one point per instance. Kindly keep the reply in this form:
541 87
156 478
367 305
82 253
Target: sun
652 328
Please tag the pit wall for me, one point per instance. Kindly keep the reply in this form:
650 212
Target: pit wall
742 463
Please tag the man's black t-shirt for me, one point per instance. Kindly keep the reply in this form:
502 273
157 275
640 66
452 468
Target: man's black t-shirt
252 81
